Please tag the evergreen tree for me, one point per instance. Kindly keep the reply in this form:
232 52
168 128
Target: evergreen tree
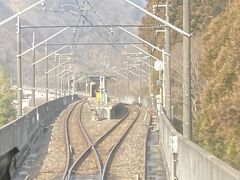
215 61
7 110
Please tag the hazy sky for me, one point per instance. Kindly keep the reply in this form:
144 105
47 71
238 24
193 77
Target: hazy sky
110 12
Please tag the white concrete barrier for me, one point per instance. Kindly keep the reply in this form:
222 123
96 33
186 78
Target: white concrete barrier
193 163
20 132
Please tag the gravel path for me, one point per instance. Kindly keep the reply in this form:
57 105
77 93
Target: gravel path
105 147
94 130
128 162
76 138
54 163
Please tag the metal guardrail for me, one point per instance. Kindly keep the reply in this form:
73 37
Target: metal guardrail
191 161
19 132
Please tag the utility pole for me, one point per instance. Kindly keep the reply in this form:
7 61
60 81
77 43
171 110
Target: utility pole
55 76
33 71
62 83
160 99
116 85
150 81
46 70
128 85
187 122
68 85
167 67
86 86
19 70
59 79
128 80
140 73
74 83
61 86
42 85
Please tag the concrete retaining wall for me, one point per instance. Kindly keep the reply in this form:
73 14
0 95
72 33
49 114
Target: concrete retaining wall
119 111
114 111
146 102
20 132
193 162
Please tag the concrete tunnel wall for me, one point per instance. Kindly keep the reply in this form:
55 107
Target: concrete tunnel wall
118 111
193 163
20 132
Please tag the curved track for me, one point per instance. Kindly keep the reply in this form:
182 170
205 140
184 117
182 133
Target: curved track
115 147
69 146
91 147
103 167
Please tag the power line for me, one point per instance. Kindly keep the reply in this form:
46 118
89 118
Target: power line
95 44
105 38
100 19
93 26
79 21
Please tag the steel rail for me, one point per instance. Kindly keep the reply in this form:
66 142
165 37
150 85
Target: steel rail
67 142
88 150
114 148
145 144
74 165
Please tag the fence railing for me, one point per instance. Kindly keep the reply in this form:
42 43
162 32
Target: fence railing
187 161
19 132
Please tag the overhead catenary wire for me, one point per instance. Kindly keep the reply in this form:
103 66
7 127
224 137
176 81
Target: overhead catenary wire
79 21
20 12
105 38
92 26
96 44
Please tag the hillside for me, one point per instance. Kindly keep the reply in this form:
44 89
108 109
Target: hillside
217 128
85 57
215 72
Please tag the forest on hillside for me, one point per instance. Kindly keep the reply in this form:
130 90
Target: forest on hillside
7 109
215 25
84 56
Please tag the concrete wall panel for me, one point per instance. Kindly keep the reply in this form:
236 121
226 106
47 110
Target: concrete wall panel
193 163
19 132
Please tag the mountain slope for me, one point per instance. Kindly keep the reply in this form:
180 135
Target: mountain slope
215 72
217 128
109 12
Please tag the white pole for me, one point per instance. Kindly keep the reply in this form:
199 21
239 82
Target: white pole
151 66
145 52
155 47
38 61
21 12
159 19
58 66
121 75
140 69
134 74
39 44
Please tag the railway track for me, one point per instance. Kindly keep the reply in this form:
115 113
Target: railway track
103 157
73 133
115 147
